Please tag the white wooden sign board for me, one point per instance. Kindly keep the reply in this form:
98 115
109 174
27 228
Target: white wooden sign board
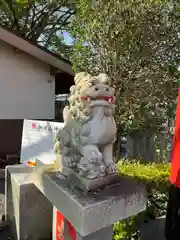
37 140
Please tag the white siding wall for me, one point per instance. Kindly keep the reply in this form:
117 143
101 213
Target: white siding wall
26 87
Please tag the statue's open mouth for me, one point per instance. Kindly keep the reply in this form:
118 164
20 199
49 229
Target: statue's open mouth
108 99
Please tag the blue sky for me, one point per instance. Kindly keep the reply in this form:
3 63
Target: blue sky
67 38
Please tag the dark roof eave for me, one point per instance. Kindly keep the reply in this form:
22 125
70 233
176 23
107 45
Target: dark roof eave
35 50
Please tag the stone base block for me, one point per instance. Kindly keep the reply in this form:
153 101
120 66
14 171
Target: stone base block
90 212
28 212
89 184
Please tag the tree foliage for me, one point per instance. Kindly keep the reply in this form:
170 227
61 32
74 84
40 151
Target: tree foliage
137 44
40 21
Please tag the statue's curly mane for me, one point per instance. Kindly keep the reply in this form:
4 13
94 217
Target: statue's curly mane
79 109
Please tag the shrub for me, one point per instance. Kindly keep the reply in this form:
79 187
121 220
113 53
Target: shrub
155 176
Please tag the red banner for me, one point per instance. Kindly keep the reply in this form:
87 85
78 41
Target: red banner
71 231
59 226
175 160
60 221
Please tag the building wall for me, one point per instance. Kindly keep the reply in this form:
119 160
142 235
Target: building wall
26 88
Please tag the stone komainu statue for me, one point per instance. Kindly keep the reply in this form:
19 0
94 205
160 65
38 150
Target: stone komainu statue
86 141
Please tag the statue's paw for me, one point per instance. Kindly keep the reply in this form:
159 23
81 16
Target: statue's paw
103 168
82 173
92 157
95 157
92 174
102 174
111 168
68 162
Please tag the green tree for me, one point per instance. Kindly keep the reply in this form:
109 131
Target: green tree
137 43
40 21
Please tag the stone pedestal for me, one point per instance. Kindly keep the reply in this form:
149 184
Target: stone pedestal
77 215
27 210
92 213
